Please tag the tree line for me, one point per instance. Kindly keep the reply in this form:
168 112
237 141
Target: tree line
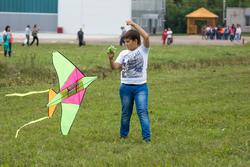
176 10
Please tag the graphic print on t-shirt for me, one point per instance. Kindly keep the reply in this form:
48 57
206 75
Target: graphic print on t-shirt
133 65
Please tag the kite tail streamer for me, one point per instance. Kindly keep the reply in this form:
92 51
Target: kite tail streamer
31 122
28 93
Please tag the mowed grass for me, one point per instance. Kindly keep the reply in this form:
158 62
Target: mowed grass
198 104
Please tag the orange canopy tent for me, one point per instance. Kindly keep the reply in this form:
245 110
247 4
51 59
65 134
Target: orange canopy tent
202 16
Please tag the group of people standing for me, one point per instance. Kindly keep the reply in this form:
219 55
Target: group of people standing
222 33
8 39
167 34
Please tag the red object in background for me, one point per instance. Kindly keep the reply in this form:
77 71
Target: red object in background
164 36
59 30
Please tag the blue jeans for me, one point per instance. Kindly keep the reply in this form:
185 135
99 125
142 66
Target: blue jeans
139 94
237 37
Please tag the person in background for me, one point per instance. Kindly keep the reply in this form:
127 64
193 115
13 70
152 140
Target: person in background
27 35
170 36
1 39
7 40
203 32
212 33
226 32
238 33
232 31
220 32
208 31
164 36
122 36
80 37
35 31
133 62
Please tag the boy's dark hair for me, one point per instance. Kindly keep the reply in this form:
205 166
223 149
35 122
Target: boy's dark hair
133 35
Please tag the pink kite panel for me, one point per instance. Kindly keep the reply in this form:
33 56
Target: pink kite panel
76 98
73 78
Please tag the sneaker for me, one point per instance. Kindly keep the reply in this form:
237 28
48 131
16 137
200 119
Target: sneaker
147 140
123 137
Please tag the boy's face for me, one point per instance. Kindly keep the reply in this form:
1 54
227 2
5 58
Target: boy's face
131 44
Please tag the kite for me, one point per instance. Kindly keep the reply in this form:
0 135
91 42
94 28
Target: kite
73 84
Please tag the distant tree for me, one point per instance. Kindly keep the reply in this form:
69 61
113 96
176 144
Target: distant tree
212 2
238 3
178 2
175 16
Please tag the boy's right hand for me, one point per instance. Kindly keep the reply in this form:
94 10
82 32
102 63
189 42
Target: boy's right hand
111 49
111 56
111 52
130 23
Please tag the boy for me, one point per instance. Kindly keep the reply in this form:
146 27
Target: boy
133 65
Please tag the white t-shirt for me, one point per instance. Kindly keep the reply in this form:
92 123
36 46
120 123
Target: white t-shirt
134 65
238 30
170 33
27 31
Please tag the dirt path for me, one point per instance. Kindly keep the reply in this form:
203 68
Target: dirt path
107 40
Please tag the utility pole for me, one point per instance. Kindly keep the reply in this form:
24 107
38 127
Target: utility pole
224 12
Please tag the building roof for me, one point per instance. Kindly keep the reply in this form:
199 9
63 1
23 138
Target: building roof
201 13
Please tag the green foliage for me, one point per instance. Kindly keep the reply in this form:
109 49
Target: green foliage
238 3
198 105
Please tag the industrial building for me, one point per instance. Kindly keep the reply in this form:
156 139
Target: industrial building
239 16
20 13
149 14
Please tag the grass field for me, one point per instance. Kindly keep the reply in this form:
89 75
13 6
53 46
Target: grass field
198 102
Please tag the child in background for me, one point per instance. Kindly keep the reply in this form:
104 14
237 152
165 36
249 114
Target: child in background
164 36
7 40
1 39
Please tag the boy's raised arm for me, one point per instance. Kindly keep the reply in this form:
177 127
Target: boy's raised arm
142 32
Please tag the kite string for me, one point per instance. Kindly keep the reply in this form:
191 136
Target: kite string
28 93
31 122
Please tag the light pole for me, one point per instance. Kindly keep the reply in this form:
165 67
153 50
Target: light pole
224 12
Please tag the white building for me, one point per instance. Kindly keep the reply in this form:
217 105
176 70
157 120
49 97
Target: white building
239 16
96 17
